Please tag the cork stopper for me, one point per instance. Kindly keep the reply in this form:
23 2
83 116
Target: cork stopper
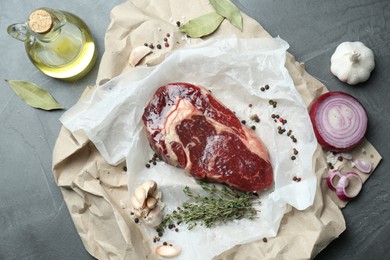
40 21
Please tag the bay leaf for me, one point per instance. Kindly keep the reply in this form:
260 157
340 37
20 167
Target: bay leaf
202 25
228 10
34 95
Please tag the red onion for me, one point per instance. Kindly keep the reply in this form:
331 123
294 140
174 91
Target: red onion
339 121
349 186
333 178
362 165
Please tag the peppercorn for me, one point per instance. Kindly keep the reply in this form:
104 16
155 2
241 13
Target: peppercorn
262 89
151 46
165 243
266 87
125 168
250 105
158 46
273 116
253 127
176 230
145 44
178 23
166 45
243 122
168 35
265 240
165 39
295 151
136 220
293 157
147 165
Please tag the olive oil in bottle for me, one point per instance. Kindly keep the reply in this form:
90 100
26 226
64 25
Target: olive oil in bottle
58 43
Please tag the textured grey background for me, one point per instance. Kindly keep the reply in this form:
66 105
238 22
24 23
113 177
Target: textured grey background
34 220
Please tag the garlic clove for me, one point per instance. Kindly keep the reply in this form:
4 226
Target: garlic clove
149 186
138 54
154 218
151 202
168 251
141 194
136 203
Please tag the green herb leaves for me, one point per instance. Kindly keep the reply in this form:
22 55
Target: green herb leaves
203 25
222 205
34 95
209 23
228 10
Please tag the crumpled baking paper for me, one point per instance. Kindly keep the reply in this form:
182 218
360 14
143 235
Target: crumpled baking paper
96 193
234 70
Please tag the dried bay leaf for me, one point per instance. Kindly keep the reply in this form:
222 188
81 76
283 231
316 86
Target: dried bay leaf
34 95
228 10
202 25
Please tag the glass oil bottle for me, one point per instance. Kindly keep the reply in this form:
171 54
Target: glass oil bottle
58 43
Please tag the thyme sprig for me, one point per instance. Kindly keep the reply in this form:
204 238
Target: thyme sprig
221 205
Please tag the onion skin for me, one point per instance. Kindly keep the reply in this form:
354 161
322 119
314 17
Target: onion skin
347 180
314 116
330 179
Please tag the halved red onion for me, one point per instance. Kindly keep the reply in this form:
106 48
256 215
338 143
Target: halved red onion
349 186
333 178
362 165
339 121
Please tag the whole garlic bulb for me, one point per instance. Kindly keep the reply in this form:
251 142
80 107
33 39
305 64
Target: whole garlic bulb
352 62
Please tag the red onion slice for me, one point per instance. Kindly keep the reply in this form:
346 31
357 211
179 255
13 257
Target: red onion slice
362 165
349 186
339 121
333 178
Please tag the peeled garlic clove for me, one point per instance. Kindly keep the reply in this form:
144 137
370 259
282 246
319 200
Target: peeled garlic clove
168 251
154 218
141 194
151 202
137 54
150 187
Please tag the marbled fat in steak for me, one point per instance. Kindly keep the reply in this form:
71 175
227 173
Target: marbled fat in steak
187 127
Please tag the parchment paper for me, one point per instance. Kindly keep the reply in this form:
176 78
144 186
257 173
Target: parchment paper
234 70
97 193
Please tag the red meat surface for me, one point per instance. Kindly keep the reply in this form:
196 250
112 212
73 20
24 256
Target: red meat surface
188 128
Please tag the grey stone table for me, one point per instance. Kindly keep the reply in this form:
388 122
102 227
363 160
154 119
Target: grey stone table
34 220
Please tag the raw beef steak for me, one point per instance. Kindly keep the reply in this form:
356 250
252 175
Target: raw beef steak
187 127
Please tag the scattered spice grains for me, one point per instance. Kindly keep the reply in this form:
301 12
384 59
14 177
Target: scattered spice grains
297 179
152 161
265 240
255 118
273 103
